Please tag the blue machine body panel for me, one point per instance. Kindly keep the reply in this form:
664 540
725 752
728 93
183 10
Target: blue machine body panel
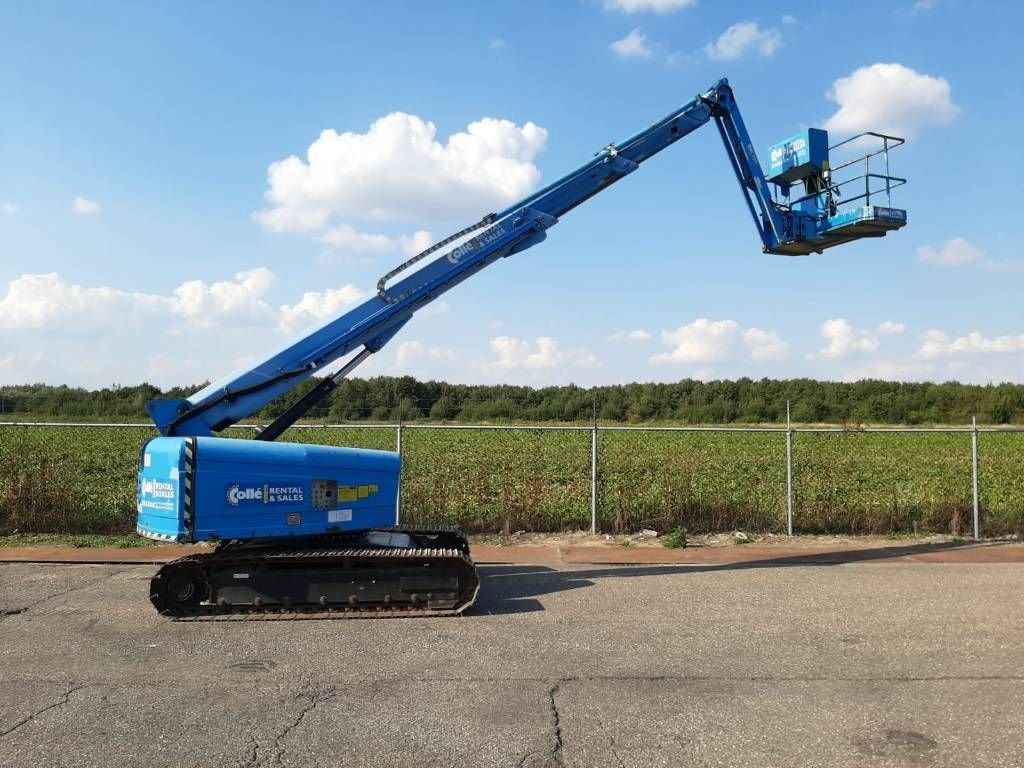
844 227
798 157
160 497
209 488
896 217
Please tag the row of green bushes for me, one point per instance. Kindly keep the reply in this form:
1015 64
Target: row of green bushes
394 398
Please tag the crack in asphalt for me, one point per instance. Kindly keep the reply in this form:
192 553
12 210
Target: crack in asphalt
59 703
616 755
611 742
313 699
261 755
611 747
361 684
254 752
556 751
67 591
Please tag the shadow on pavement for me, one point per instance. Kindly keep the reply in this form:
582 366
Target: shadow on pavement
507 589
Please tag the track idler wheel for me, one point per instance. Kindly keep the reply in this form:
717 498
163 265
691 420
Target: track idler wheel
178 588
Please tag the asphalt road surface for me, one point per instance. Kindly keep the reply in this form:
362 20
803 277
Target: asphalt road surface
860 664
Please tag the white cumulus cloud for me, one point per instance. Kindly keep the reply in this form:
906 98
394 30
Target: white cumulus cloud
890 98
843 339
345 237
35 301
955 252
411 351
399 171
765 345
658 6
317 307
38 301
705 341
83 206
204 304
442 353
344 240
47 301
546 352
701 341
632 46
636 335
742 37
407 352
936 343
890 328
419 241
60 331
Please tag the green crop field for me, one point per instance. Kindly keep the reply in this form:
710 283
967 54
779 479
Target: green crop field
81 479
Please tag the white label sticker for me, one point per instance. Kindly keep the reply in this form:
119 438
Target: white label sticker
146 460
339 515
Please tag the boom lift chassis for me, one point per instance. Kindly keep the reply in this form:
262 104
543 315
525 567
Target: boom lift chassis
307 530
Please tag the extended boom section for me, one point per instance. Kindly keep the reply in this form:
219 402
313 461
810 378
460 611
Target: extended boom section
311 528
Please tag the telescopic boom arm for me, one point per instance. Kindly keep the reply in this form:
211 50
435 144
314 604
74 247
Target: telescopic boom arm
808 224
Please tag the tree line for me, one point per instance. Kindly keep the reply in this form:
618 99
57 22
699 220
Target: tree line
404 398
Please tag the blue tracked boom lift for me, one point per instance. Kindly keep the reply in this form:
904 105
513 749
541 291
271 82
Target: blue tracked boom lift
307 529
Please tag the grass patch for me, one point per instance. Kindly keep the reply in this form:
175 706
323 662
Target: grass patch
676 539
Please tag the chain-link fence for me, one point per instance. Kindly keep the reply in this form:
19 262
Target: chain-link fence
78 477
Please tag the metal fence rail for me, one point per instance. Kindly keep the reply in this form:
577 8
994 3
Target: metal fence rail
786 432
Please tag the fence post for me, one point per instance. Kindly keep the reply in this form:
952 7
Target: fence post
789 473
398 496
593 479
974 474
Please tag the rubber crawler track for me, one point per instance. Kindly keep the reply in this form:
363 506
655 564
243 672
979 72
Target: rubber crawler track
384 570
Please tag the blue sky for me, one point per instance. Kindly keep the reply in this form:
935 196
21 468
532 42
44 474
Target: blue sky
147 234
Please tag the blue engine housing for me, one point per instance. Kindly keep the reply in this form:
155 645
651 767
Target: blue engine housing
209 488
